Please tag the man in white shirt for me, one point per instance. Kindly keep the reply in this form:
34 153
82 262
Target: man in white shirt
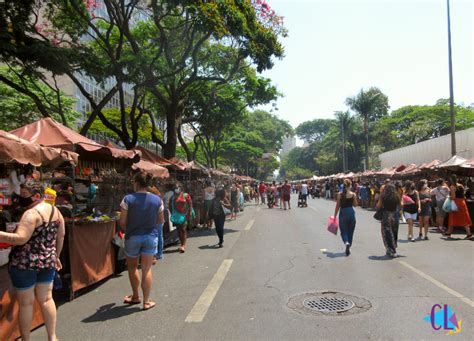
304 192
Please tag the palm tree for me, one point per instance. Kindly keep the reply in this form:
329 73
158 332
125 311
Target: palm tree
345 120
370 105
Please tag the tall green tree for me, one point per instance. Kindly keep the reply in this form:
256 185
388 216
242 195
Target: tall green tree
314 130
160 48
19 109
370 105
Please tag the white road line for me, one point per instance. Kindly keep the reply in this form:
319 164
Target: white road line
249 225
204 302
438 284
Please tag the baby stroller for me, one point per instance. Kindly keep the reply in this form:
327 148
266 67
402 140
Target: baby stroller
302 200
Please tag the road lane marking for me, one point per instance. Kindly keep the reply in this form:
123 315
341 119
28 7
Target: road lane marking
249 225
202 305
438 284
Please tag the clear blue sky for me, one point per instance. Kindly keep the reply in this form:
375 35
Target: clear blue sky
337 47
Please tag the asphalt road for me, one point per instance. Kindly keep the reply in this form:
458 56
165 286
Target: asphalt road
245 290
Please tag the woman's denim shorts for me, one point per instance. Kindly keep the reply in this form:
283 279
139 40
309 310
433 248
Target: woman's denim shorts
141 245
26 279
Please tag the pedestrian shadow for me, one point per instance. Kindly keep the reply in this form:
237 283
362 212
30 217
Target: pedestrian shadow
171 251
111 311
384 257
207 232
208 247
334 254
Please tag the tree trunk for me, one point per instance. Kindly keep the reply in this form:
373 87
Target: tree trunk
169 150
366 132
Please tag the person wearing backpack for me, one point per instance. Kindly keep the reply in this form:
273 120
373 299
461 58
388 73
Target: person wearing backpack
220 202
181 206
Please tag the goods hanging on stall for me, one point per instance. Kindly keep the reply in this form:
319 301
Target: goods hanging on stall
88 196
19 162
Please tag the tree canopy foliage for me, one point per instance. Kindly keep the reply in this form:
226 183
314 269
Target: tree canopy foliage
156 57
399 128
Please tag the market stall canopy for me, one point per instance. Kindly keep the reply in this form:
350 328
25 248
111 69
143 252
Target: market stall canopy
218 173
16 149
151 168
452 163
410 170
196 166
48 132
430 165
155 158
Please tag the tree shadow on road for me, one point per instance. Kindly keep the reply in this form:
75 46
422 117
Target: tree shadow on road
111 311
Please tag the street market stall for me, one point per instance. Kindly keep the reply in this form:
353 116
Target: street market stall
88 196
19 160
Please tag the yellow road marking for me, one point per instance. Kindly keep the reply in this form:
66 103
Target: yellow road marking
202 305
438 284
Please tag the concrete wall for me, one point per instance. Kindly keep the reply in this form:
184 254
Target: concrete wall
435 149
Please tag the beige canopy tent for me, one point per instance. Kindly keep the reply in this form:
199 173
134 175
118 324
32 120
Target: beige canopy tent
15 149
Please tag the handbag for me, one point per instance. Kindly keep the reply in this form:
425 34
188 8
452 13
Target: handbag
378 215
449 205
226 210
177 218
333 225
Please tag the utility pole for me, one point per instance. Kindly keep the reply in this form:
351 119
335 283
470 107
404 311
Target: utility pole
344 166
451 95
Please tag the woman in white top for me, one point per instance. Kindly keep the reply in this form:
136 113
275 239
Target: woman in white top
209 194
441 192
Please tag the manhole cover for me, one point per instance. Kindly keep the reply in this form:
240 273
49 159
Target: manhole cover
328 304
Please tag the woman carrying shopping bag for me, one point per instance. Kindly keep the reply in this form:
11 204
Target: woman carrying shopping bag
460 217
346 200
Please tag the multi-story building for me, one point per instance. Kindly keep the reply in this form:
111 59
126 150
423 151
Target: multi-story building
289 143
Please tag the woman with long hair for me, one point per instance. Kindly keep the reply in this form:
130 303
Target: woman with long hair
425 205
411 207
346 200
390 202
461 216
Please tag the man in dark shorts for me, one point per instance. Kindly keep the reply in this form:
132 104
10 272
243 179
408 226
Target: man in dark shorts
286 194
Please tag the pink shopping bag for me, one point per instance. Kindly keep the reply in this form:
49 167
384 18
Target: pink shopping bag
333 224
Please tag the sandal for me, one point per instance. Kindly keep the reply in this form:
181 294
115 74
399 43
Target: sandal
148 305
182 249
469 236
129 300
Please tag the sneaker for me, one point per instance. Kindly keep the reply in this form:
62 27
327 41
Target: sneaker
394 255
468 237
348 249
412 239
426 238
